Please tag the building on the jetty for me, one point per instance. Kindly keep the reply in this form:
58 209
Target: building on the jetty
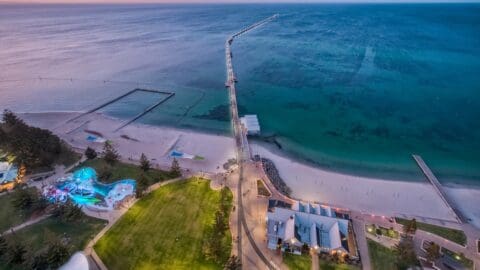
320 227
251 124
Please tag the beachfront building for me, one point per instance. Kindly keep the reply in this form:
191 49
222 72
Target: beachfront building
251 124
317 226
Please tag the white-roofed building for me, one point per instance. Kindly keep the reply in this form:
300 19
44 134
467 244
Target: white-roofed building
290 229
251 124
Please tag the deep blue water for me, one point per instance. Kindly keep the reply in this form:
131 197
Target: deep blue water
351 87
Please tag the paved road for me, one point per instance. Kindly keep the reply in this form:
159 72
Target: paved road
359 228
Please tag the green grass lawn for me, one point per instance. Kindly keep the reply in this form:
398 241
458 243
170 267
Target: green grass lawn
123 171
297 262
456 236
381 257
9 216
324 265
77 232
164 230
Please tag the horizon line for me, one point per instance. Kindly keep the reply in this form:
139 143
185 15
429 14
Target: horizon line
209 2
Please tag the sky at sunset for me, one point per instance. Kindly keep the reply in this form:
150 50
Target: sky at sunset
228 1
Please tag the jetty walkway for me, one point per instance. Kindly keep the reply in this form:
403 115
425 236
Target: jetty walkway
438 188
241 141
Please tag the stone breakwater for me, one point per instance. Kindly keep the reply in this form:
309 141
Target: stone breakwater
274 176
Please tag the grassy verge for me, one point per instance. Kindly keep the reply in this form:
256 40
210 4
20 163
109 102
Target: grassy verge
381 257
456 236
165 230
261 189
9 216
460 258
123 171
298 262
324 265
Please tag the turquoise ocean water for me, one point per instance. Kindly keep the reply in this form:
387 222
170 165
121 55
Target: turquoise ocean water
355 88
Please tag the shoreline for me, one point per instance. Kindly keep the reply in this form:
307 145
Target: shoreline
309 183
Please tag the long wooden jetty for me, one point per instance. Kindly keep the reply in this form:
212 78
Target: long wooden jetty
438 188
241 141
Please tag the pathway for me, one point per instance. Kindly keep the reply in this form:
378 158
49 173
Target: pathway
359 229
25 224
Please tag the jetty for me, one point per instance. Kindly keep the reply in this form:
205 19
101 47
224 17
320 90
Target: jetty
438 188
241 141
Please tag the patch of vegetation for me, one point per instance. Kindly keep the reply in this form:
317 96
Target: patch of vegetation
10 216
381 257
166 229
297 262
110 173
38 149
454 235
382 231
49 243
326 265
261 189
459 257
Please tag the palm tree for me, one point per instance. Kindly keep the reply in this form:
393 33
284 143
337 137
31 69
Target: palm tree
433 252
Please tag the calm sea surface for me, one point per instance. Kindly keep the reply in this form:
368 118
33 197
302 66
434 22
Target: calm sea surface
355 88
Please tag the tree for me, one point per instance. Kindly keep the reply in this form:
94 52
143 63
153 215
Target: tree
56 253
405 253
90 153
38 261
67 211
16 253
175 169
110 154
433 252
28 145
213 248
410 227
144 163
3 246
23 199
233 263
142 185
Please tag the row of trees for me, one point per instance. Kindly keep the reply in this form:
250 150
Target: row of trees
17 255
214 247
28 145
111 156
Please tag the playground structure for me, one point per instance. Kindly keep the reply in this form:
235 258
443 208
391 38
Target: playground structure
83 188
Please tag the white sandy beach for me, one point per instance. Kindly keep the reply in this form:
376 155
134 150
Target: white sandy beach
369 195
155 142
376 196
